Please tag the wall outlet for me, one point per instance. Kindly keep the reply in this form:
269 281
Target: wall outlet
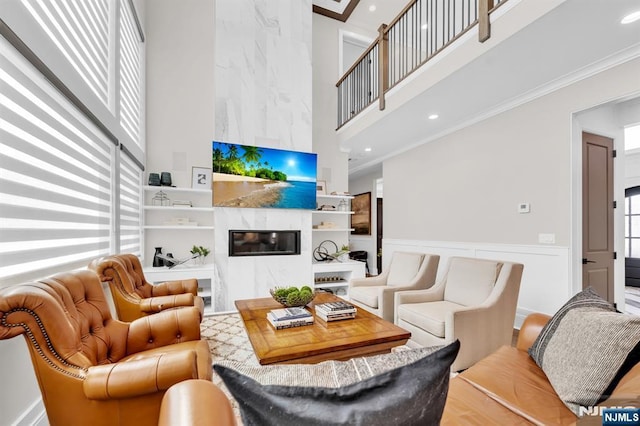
524 207
547 238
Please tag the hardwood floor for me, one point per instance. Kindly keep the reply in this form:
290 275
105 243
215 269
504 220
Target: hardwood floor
632 300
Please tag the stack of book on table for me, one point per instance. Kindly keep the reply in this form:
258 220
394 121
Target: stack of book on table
289 317
334 311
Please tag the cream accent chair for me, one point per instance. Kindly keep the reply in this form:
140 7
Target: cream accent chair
474 302
407 271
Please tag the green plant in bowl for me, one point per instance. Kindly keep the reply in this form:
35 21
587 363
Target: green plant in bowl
293 296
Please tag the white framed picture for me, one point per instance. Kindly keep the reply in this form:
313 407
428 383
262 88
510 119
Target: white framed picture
200 178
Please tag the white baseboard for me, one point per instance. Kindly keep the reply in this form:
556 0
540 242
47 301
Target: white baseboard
521 314
35 415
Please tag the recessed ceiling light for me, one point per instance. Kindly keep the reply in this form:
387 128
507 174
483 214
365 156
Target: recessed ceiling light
372 8
433 116
424 26
632 17
367 149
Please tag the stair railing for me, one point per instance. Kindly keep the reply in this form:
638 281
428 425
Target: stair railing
422 30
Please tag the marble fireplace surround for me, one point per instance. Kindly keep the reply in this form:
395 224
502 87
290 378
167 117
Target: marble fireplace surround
263 97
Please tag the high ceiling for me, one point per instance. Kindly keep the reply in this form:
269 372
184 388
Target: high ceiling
570 41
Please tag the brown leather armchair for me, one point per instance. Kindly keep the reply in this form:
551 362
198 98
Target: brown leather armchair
91 368
196 402
134 297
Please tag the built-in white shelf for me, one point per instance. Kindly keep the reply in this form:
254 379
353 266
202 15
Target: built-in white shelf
338 197
175 189
340 219
340 284
343 270
179 208
183 227
330 212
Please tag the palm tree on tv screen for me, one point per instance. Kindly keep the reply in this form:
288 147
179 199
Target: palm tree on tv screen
252 154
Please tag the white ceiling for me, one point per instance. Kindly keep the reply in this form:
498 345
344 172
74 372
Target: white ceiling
575 37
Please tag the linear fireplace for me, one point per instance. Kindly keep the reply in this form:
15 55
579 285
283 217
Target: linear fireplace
263 243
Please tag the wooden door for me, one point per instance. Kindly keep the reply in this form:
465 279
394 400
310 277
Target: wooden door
597 214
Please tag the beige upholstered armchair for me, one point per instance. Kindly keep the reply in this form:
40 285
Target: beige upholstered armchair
474 302
134 297
406 271
91 368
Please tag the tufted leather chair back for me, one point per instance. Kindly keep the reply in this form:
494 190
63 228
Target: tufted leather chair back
66 320
134 297
92 368
125 272
68 328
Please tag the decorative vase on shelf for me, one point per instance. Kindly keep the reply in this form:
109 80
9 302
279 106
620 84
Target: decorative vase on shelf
165 179
154 179
168 262
157 261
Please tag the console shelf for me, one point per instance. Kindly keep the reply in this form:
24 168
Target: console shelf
343 271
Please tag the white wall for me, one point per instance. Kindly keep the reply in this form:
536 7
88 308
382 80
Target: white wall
21 402
180 104
332 162
628 113
464 188
632 169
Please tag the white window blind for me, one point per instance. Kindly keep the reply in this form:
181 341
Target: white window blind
130 206
80 30
55 177
130 60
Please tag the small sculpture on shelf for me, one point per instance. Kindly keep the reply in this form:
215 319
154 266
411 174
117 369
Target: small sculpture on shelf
161 199
157 260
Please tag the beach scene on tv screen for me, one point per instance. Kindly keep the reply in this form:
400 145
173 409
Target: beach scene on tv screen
251 176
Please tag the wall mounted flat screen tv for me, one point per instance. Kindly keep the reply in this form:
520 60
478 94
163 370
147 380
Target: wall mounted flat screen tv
251 176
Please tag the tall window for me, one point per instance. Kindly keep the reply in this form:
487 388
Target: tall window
79 30
67 193
632 222
130 202
130 64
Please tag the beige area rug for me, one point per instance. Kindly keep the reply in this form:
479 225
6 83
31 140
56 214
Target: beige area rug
228 341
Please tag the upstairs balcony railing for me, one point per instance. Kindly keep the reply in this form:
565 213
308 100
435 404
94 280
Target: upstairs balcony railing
422 30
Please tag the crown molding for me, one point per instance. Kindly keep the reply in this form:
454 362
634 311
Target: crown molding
333 14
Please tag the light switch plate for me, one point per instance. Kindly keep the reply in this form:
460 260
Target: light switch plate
547 238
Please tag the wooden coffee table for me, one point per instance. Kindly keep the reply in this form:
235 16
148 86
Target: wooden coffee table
366 334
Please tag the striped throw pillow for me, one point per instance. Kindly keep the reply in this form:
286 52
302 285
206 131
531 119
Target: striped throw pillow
586 348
